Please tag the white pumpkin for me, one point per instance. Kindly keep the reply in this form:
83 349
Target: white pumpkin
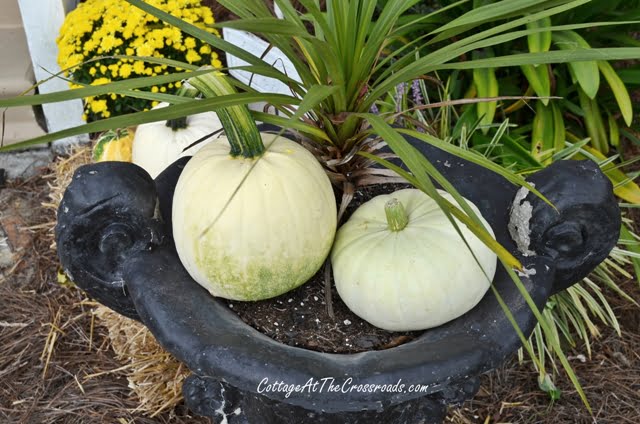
156 145
411 278
252 229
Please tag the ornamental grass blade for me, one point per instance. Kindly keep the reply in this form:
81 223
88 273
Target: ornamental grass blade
267 71
632 245
570 150
282 122
523 339
475 158
553 56
161 114
488 13
428 64
118 87
315 95
271 25
495 140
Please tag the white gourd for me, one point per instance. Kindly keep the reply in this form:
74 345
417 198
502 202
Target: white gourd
251 229
156 146
415 278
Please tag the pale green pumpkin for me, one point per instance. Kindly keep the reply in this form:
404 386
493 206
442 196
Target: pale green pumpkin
402 266
253 228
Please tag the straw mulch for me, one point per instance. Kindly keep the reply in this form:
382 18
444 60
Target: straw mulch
65 359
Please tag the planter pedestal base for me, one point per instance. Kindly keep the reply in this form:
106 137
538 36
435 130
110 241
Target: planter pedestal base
208 397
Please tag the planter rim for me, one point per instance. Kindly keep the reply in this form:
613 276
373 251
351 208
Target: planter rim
238 354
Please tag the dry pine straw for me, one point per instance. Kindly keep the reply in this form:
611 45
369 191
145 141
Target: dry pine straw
63 359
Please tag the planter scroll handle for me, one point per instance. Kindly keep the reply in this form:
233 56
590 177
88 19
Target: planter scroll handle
110 211
580 232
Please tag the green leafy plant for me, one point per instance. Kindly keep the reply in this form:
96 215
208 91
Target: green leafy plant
346 66
576 113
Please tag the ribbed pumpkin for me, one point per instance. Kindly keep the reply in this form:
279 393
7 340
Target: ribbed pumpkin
253 228
114 145
158 144
399 263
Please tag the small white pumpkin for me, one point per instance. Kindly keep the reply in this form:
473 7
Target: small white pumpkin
401 265
253 228
157 145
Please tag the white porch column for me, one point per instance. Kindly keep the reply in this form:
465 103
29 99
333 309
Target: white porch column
42 21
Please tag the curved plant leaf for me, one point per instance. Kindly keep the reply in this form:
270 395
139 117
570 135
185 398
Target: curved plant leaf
540 41
585 72
619 90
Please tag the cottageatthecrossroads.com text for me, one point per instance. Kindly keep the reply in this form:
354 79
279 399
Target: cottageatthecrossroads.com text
329 385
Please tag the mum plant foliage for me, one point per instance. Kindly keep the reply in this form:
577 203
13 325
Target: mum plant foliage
343 55
99 38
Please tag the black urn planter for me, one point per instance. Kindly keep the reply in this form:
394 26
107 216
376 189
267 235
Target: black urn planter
114 241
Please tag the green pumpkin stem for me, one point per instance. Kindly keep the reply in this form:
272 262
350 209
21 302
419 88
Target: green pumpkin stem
176 124
239 127
396 215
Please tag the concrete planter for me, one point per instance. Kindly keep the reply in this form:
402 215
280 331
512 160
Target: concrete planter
114 245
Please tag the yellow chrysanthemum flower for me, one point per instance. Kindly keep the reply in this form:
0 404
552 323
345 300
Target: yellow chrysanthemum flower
125 70
192 56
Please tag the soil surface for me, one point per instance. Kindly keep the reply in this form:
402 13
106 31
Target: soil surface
301 318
